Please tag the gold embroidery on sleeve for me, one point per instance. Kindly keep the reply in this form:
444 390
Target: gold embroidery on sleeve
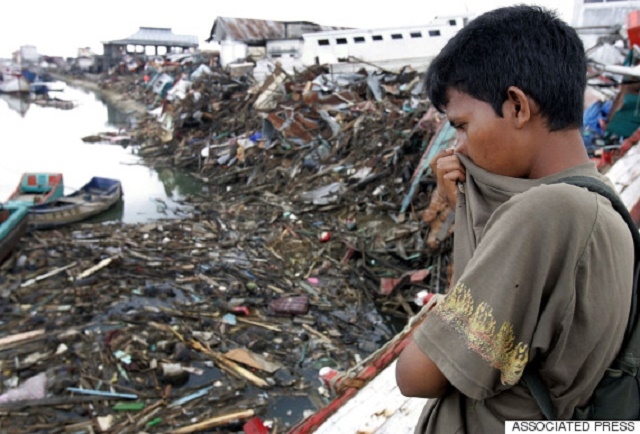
478 327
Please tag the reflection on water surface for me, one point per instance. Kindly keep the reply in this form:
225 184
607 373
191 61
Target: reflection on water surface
49 139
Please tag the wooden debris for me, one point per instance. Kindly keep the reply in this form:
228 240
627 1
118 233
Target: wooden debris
216 421
88 272
252 360
47 275
190 296
20 337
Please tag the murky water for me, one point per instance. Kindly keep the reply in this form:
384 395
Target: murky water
48 139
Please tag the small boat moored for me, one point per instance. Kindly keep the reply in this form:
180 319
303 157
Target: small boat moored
95 197
37 188
13 224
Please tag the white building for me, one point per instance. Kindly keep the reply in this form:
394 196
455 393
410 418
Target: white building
85 52
596 18
27 54
387 48
598 13
296 45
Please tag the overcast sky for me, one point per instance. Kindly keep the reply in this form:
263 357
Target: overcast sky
60 27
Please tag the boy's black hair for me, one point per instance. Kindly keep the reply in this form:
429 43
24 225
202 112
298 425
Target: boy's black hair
524 46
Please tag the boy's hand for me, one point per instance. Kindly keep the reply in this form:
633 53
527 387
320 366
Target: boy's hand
449 171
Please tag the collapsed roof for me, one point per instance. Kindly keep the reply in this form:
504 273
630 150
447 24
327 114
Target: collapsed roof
161 36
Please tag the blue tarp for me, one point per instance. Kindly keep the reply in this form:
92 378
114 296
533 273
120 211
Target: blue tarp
593 119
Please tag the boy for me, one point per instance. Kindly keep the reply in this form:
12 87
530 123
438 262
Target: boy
542 271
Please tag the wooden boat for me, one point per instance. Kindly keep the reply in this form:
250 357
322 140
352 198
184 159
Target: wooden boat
625 176
13 224
95 197
367 399
37 188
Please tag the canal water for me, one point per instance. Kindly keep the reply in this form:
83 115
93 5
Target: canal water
48 139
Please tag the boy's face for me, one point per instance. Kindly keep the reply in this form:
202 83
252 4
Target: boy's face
486 138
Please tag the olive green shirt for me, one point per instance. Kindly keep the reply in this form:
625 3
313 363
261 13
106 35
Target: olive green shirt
540 270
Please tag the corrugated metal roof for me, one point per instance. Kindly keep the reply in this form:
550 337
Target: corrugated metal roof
158 36
253 31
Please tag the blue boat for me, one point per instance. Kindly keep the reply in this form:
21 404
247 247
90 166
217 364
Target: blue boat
37 188
13 225
95 197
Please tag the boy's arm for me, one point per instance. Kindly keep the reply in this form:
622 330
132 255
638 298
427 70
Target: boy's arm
417 375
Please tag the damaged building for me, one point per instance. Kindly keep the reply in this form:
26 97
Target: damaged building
147 41
272 39
296 45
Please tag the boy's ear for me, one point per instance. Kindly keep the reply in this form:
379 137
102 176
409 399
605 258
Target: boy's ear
518 106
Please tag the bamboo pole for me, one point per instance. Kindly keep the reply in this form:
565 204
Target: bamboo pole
215 421
219 358
100 265
8 340
317 333
46 275
258 324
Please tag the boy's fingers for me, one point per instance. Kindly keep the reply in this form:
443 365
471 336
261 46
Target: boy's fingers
442 153
455 175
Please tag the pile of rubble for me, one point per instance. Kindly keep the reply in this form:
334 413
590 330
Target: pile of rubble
320 228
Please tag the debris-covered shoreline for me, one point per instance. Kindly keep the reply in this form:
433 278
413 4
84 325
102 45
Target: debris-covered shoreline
319 229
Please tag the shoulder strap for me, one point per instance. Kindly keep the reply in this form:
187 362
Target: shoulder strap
531 374
597 186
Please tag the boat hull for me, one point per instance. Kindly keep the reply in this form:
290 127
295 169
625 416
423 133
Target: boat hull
94 198
13 225
37 188
625 176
